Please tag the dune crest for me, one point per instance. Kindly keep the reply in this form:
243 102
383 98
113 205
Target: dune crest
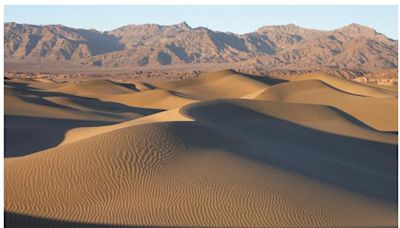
172 115
379 113
222 150
345 85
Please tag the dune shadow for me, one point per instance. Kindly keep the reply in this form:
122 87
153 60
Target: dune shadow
365 167
13 220
90 103
24 135
150 86
130 86
103 108
264 79
361 166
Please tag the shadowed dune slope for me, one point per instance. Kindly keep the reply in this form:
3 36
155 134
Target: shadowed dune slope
239 163
379 113
77 134
20 221
319 117
134 95
169 95
59 106
141 86
37 119
31 99
25 135
43 84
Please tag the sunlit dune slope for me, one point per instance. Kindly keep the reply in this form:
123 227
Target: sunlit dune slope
224 149
219 84
154 98
379 113
345 85
134 95
41 104
94 88
238 163
86 132
37 118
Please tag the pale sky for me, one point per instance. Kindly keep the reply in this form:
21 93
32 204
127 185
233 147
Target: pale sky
237 19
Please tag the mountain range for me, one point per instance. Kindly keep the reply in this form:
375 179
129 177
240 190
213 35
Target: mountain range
353 47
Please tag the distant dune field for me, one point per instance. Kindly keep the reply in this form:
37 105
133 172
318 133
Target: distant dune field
224 149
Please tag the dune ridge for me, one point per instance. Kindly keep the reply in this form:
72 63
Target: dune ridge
345 85
220 84
223 150
378 113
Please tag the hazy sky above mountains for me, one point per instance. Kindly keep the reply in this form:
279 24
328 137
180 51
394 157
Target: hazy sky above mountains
237 19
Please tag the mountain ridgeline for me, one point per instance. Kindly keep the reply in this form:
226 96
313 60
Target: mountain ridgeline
353 47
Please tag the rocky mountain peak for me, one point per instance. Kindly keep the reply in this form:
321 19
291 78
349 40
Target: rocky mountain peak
354 47
183 25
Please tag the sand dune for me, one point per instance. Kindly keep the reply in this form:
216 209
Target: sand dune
42 84
378 113
170 173
155 98
318 117
134 95
41 117
34 99
345 85
94 88
38 107
220 84
44 80
230 150
391 89
140 86
86 132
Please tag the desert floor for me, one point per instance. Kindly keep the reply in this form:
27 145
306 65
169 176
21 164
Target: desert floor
220 150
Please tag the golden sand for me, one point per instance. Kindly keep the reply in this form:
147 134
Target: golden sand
223 150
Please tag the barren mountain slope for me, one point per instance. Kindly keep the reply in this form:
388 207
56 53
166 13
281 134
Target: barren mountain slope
353 47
